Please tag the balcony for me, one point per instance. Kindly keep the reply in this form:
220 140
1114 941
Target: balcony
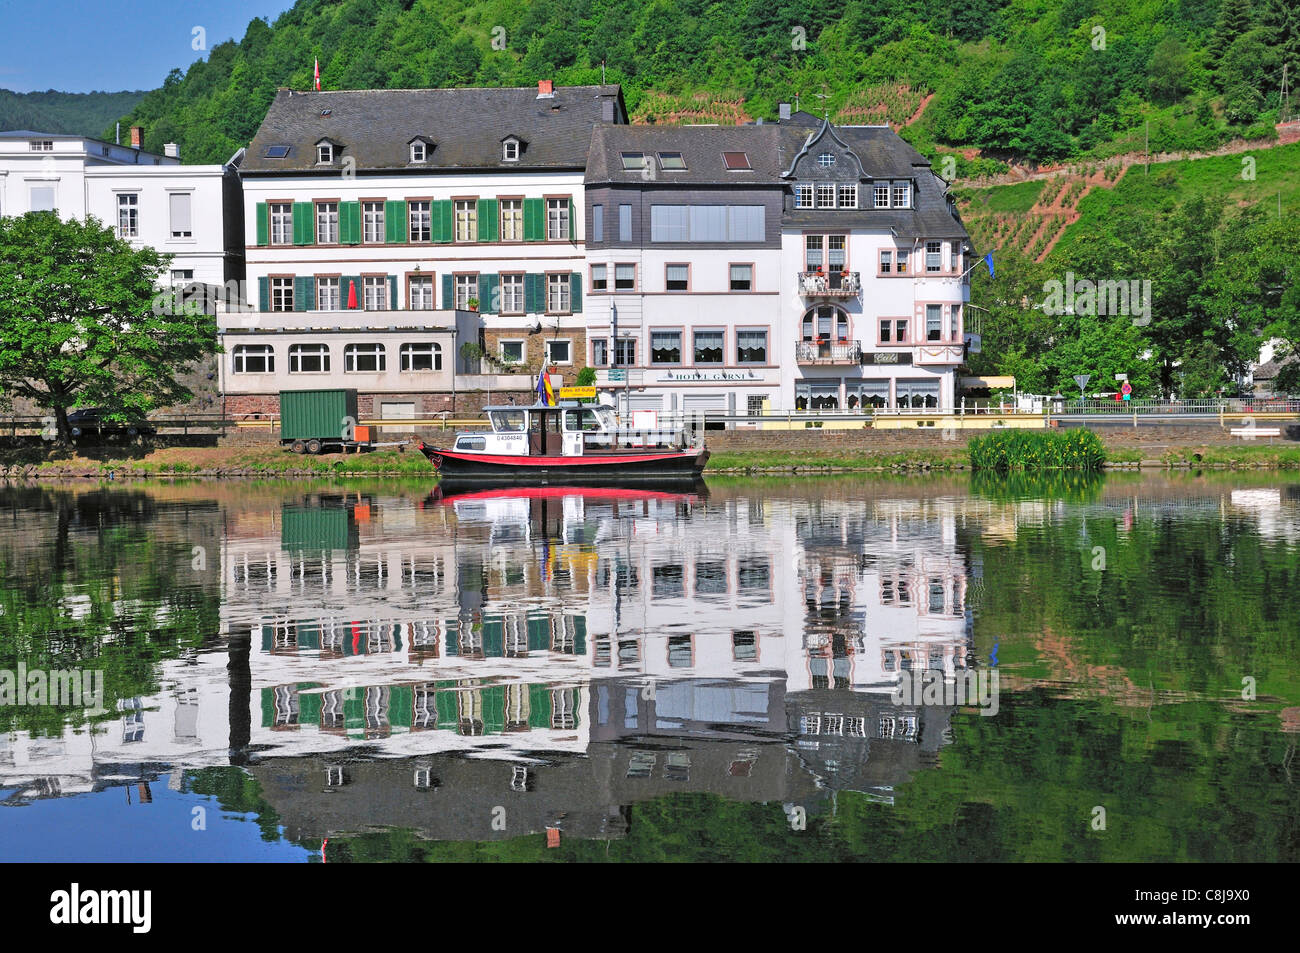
835 284
824 352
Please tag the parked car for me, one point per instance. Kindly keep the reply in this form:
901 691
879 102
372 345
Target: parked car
92 421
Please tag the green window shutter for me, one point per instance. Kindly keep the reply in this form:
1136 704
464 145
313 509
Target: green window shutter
534 293
575 292
573 226
534 220
304 223
263 225
392 292
349 223
487 220
448 292
395 223
263 294
488 293
441 223
304 293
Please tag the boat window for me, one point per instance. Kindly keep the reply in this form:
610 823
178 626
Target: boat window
471 443
507 421
584 420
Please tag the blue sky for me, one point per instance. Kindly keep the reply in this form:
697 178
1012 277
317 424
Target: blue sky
78 46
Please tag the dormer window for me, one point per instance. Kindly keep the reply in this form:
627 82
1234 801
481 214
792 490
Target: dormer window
42 145
324 153
418 152
510 150
826 160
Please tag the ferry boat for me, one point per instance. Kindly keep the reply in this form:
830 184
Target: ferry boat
568 443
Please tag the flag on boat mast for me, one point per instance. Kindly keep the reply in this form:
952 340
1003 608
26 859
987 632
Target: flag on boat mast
545 393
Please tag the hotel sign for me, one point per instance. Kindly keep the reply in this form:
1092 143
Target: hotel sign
697 376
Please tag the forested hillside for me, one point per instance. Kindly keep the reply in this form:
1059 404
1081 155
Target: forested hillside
991 79
74 114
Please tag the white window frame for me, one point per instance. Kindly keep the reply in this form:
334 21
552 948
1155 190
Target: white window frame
180 234
466 287
128 203
369 350
324 153
281 222
242 352
329 294
375 292
825 194
419 221
501 350
825 160
421 292
550 358
310 349
901 195
559 287
419 152
803 195
372 223
510 149
280 293
465 220
881 195
411 349
512 293
512 220
327 223
557 220
847 195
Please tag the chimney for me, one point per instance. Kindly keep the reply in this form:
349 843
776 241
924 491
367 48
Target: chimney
171 150
545 88
137 137
783 110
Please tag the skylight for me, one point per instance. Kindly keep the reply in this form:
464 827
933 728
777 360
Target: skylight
669 161
735 160
633 160
277 152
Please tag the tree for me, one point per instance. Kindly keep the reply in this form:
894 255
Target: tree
82 320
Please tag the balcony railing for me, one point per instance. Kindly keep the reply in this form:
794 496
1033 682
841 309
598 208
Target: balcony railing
835 284
825 352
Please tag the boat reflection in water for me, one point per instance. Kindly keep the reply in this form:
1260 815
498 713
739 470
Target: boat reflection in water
564 653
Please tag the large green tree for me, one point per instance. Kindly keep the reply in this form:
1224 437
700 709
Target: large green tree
82 320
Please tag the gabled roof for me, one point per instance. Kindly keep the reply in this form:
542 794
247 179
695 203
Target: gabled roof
382 122
701 148
825 130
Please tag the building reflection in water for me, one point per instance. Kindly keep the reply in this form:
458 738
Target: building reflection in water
415 662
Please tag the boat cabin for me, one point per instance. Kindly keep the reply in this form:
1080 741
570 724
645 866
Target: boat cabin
568 429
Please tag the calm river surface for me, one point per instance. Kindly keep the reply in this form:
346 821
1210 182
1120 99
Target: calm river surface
816 669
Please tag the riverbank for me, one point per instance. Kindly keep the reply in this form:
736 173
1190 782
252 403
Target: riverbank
272 461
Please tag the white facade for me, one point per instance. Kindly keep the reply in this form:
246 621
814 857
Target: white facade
147 199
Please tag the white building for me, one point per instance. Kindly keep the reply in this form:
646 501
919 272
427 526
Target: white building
191 212
455 212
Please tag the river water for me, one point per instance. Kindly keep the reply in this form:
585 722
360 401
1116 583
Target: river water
938 668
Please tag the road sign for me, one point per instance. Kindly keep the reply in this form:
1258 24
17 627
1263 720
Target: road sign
577 393
1127 390
617 375
1082 380
1121 377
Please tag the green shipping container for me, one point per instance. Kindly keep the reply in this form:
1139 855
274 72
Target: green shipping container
321 414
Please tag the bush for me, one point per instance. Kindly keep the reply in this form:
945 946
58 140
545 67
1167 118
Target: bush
1074 449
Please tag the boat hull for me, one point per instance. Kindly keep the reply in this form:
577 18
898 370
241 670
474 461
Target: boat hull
630 469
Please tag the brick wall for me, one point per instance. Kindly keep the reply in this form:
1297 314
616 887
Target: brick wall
533 347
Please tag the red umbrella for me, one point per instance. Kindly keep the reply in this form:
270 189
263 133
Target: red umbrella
352 294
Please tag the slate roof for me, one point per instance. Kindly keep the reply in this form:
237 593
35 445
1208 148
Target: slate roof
375 127
701 148
884 155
